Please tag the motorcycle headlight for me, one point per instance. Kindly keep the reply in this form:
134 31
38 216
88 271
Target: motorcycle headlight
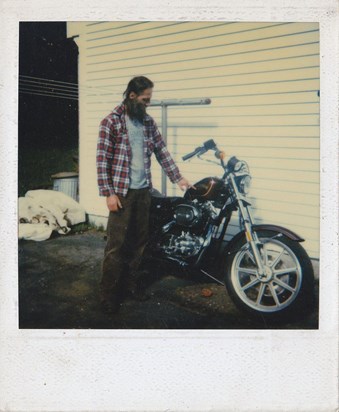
245 184
241 167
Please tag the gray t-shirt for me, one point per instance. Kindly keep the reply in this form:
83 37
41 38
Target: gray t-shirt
137 166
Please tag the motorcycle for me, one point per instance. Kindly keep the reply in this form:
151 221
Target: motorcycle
264 268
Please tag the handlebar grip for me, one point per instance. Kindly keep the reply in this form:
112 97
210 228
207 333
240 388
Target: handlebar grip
189 155
208 145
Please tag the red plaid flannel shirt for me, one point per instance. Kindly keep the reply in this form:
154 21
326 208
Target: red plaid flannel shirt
114 153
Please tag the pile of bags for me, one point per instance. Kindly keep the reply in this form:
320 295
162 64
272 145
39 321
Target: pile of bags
43 211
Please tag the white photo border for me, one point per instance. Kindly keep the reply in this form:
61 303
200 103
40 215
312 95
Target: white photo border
153 370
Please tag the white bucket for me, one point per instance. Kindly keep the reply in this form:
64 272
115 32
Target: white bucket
66 182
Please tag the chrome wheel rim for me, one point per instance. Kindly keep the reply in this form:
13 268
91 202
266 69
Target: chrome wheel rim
278 287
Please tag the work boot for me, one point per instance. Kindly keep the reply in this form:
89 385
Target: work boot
132 286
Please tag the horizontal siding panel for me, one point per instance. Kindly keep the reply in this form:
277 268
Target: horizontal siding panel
116 89
285 97
251 121
309 211
246 121
263 82
248 60
118 35
213 55
260 175
165 31
239 80
287 175
272 63
303 153
249 98
245 89
226 111
234 225
301 210
147 33
178 33
306 224
292 164
258 183
300 197
305 80
291 224
206 131
284 187
102 27
262 99
220 72
267 155
202 49
230 145
186 112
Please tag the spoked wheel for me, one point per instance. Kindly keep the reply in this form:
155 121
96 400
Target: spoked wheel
285 287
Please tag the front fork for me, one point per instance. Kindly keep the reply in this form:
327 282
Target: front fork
247 221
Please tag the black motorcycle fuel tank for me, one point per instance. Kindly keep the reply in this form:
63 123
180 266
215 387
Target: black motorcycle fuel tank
209 188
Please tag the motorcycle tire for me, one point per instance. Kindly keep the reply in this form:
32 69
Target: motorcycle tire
285 291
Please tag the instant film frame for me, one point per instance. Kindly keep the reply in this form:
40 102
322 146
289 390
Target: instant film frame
262 82
171 370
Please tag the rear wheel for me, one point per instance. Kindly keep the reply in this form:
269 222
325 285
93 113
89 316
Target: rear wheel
285 288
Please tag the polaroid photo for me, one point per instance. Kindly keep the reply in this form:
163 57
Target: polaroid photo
221 279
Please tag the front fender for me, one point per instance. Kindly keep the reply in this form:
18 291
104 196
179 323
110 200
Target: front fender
275 229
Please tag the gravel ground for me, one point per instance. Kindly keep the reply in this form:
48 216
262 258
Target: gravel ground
58 288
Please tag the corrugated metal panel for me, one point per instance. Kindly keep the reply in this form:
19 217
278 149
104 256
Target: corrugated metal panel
263 79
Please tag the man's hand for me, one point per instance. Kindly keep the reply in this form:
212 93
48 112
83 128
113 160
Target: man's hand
184 184
113 203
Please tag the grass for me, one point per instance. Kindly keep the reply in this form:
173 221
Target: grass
36 166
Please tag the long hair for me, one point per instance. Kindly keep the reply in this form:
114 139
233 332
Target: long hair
137 85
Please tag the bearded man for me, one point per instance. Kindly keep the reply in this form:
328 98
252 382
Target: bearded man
127 138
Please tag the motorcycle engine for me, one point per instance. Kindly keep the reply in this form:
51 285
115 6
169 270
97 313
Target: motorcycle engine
184 245
187 215
184 236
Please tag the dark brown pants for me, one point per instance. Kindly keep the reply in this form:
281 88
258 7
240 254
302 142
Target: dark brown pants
127 236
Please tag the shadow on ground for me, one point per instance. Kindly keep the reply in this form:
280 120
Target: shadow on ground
58 289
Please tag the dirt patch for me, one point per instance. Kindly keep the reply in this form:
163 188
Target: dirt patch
58 288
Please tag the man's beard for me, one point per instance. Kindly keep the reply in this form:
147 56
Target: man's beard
135 110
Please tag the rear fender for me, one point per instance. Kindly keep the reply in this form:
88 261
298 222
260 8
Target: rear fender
274 229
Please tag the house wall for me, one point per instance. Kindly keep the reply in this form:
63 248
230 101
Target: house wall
263 81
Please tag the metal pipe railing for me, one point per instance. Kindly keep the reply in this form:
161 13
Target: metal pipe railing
164 105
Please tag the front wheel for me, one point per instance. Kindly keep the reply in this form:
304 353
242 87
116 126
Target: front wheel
285 288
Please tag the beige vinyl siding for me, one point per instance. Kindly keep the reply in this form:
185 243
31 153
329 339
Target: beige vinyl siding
263 81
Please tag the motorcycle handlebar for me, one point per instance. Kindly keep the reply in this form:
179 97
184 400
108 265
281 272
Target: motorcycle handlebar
189 155
208 145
